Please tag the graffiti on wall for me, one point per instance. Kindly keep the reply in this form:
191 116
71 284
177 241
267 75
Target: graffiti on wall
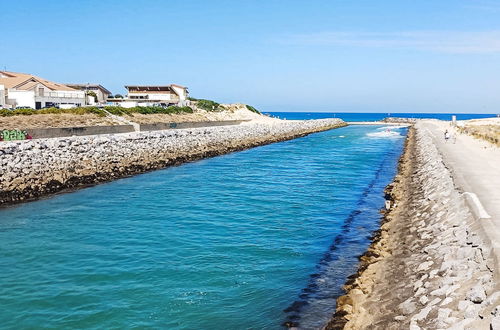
14 134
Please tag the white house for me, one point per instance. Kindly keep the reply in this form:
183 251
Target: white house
101 93
25 90
3 98
154 95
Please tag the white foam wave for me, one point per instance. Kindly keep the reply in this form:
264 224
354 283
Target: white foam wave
385 128
384 134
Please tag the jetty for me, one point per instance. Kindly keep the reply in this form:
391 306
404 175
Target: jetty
434 263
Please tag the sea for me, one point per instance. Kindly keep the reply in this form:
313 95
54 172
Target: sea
258 239
357 116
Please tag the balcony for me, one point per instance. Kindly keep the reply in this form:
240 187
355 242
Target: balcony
61 94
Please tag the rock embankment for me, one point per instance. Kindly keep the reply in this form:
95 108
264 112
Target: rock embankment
427 267
34 168
398 120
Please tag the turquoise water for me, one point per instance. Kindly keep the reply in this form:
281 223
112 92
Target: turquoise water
247 240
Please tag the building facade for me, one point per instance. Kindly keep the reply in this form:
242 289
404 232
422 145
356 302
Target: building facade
102 94
3 98
154 95
25 90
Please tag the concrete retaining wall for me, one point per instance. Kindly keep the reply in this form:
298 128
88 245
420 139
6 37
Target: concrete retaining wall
40 133
162 126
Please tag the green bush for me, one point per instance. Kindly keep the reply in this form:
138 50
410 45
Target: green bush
115 110
249 107
93 94
148 110
74 111
208 105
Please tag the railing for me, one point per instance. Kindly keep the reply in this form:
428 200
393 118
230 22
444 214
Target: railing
62 95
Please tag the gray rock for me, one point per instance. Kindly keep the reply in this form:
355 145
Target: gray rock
476 294
463 304
443 314
407 307
446 301
422 314
493 298
441 291
423 300
420 291
414 326
424 266
495 323
472 311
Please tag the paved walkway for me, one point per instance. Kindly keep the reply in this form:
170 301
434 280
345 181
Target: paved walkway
475 166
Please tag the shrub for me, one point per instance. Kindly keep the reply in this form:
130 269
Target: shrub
93 94
115 110
29 112
249 107
208 105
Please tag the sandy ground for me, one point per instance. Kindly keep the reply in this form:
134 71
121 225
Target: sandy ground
480 122
53 120
487 129
234 112
239 114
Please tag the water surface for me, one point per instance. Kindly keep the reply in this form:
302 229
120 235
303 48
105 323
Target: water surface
247 240
376 116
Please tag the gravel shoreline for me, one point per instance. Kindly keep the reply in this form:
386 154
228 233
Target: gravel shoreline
36 168
427 267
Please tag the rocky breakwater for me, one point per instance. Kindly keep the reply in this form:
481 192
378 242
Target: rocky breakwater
427 267
34 168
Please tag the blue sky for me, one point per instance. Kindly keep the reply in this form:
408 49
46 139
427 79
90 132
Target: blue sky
364 56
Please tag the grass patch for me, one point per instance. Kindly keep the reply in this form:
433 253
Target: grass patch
74 111
490 133
98 111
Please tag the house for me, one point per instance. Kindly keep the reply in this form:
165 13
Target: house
154 95
102 94
26 90
3 98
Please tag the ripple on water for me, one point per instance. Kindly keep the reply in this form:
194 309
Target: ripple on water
227 242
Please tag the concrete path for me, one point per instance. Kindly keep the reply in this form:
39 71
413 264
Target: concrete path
475 166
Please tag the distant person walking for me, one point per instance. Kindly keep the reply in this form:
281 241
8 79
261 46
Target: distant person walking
446 136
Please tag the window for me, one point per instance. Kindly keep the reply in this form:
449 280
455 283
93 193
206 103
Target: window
40 91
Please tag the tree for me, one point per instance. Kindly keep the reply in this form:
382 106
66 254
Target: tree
93 94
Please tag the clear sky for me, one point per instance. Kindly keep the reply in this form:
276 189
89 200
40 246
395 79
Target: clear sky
328 55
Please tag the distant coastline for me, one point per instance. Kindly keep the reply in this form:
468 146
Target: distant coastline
373 116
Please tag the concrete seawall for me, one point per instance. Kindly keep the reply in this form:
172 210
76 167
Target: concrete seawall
53 132
34 168
45 133
162 126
